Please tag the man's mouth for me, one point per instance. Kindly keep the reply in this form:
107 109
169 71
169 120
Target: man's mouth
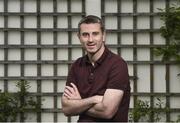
91 46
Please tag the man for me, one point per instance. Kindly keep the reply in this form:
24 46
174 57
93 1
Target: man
97 87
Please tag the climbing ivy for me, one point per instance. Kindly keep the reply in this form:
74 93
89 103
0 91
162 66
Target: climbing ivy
11 104
171 32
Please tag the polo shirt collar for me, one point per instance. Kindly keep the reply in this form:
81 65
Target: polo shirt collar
100 60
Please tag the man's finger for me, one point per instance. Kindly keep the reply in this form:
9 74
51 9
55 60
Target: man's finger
74 87
67 92
66 95
70 89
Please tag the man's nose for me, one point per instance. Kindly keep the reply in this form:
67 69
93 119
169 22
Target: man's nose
90 38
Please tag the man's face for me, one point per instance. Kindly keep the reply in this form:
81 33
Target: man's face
91 37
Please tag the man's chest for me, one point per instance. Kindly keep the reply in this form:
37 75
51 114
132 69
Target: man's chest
92 80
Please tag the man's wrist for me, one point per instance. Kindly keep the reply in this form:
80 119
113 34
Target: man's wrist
97 99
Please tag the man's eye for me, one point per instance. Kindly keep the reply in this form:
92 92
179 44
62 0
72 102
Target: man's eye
95 33
85 34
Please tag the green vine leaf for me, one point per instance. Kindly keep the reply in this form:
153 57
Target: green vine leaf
171 32
11 104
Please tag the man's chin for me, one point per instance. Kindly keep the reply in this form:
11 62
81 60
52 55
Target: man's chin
91 51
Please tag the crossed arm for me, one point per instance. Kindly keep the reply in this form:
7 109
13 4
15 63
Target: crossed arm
96 106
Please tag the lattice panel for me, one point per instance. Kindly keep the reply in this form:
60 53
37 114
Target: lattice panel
133 31
38 43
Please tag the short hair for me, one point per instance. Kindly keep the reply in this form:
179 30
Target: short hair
91 19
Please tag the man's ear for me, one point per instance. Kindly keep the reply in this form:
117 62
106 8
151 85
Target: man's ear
78 35
104 36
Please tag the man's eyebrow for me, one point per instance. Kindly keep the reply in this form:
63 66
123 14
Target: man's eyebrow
84 33
96 32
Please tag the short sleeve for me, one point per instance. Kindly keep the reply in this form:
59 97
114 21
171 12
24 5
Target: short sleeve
118 76
71 75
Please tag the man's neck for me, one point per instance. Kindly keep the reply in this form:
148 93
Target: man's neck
95 56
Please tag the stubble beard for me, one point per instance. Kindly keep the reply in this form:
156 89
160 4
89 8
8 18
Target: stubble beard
94 53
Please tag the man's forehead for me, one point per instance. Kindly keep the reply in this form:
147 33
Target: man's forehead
90 27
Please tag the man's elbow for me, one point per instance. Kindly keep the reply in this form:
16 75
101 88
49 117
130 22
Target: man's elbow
109 114
69 112
66 112
65 109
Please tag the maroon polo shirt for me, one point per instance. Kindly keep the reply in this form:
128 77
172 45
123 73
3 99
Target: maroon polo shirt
109 72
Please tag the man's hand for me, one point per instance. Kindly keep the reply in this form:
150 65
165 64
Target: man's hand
98 98
73 104
72 92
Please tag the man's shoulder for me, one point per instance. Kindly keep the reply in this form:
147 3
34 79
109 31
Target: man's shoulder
115 58
79 60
